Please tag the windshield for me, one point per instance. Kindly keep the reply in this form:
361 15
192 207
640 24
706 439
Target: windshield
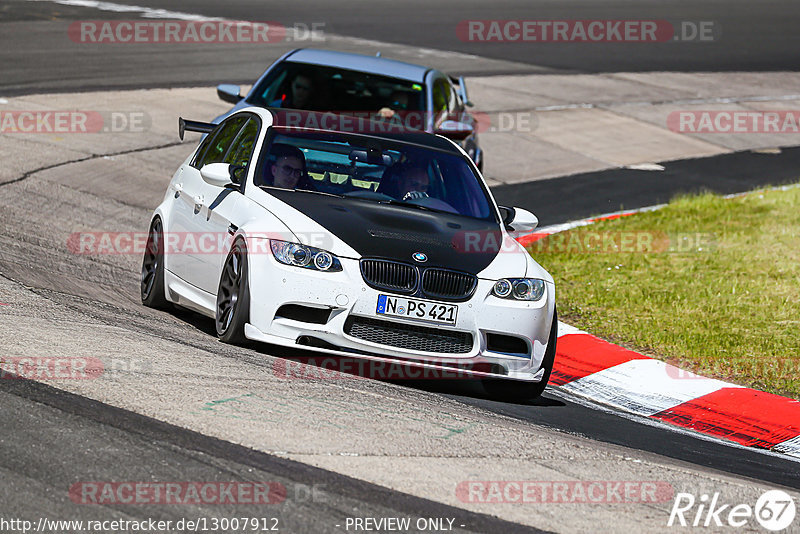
373 170
318 88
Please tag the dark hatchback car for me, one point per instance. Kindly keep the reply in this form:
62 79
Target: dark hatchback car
323 80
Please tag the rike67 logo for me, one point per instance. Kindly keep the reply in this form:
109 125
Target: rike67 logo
775 510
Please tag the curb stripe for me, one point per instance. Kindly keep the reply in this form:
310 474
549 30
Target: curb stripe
643 387
594 369
527 239
759 419
580 355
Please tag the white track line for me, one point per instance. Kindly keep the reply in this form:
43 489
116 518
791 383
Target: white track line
790 447
565 329
146 12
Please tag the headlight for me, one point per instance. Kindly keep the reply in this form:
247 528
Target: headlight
519 288
502 288
304 256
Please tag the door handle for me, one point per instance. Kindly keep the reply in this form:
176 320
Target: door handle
178 189
198 204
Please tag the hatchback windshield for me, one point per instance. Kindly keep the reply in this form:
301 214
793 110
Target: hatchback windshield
314 87
373 170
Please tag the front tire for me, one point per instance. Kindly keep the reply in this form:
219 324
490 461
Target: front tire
233 296
509 390
152 279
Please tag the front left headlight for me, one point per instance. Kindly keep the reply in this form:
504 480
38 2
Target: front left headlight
304 256
519 288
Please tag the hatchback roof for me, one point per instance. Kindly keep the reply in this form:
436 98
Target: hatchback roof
361 63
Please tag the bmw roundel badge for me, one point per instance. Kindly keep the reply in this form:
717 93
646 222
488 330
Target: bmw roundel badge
420 257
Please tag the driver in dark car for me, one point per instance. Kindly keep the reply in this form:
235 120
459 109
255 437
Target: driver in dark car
301 91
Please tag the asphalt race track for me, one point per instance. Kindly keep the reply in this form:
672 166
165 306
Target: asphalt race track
187 408
133 441
754 37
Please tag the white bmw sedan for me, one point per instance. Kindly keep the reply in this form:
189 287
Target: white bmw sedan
338 235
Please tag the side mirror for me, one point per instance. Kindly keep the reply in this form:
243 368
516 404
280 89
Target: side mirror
229 93
455 130
218 174
518 219
507 214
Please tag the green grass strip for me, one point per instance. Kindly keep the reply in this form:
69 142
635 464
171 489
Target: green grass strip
709 284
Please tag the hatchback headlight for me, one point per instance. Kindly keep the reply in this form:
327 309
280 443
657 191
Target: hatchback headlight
304 256
519 288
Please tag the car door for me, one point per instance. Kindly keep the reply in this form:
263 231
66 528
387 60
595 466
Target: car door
202 211
186 187
221 206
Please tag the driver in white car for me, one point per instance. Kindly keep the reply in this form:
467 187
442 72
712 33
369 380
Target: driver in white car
413 182
289 169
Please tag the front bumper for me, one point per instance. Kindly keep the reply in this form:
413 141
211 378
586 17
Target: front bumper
344 295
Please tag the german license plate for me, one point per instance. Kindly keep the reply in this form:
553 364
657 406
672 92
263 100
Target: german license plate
420 310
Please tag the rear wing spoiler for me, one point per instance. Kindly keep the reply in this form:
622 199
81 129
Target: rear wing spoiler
193 126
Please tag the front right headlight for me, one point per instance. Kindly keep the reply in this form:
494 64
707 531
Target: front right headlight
304 256
519 288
